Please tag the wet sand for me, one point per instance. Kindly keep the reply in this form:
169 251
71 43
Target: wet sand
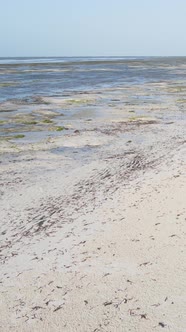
93 214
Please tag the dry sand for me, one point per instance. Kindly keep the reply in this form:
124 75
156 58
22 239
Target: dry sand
93 235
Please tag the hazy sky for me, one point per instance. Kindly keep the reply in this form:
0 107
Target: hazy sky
97 27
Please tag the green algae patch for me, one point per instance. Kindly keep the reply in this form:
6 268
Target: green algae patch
78 101
181 101
26 119
8 138
7 84
2 122
176 89
47 121
5 138
18 136
30 122
60 128
134 118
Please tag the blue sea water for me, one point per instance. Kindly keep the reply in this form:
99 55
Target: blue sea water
59 76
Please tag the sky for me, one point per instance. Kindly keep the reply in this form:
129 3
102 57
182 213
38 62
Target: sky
92 28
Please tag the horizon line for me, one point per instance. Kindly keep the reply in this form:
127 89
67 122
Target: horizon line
91 56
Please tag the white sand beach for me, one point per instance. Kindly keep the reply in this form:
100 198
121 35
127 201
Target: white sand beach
93 225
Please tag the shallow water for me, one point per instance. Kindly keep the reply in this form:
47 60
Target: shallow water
27 77
69 92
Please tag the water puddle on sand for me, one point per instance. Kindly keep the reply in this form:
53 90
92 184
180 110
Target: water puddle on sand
83 154
37 137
